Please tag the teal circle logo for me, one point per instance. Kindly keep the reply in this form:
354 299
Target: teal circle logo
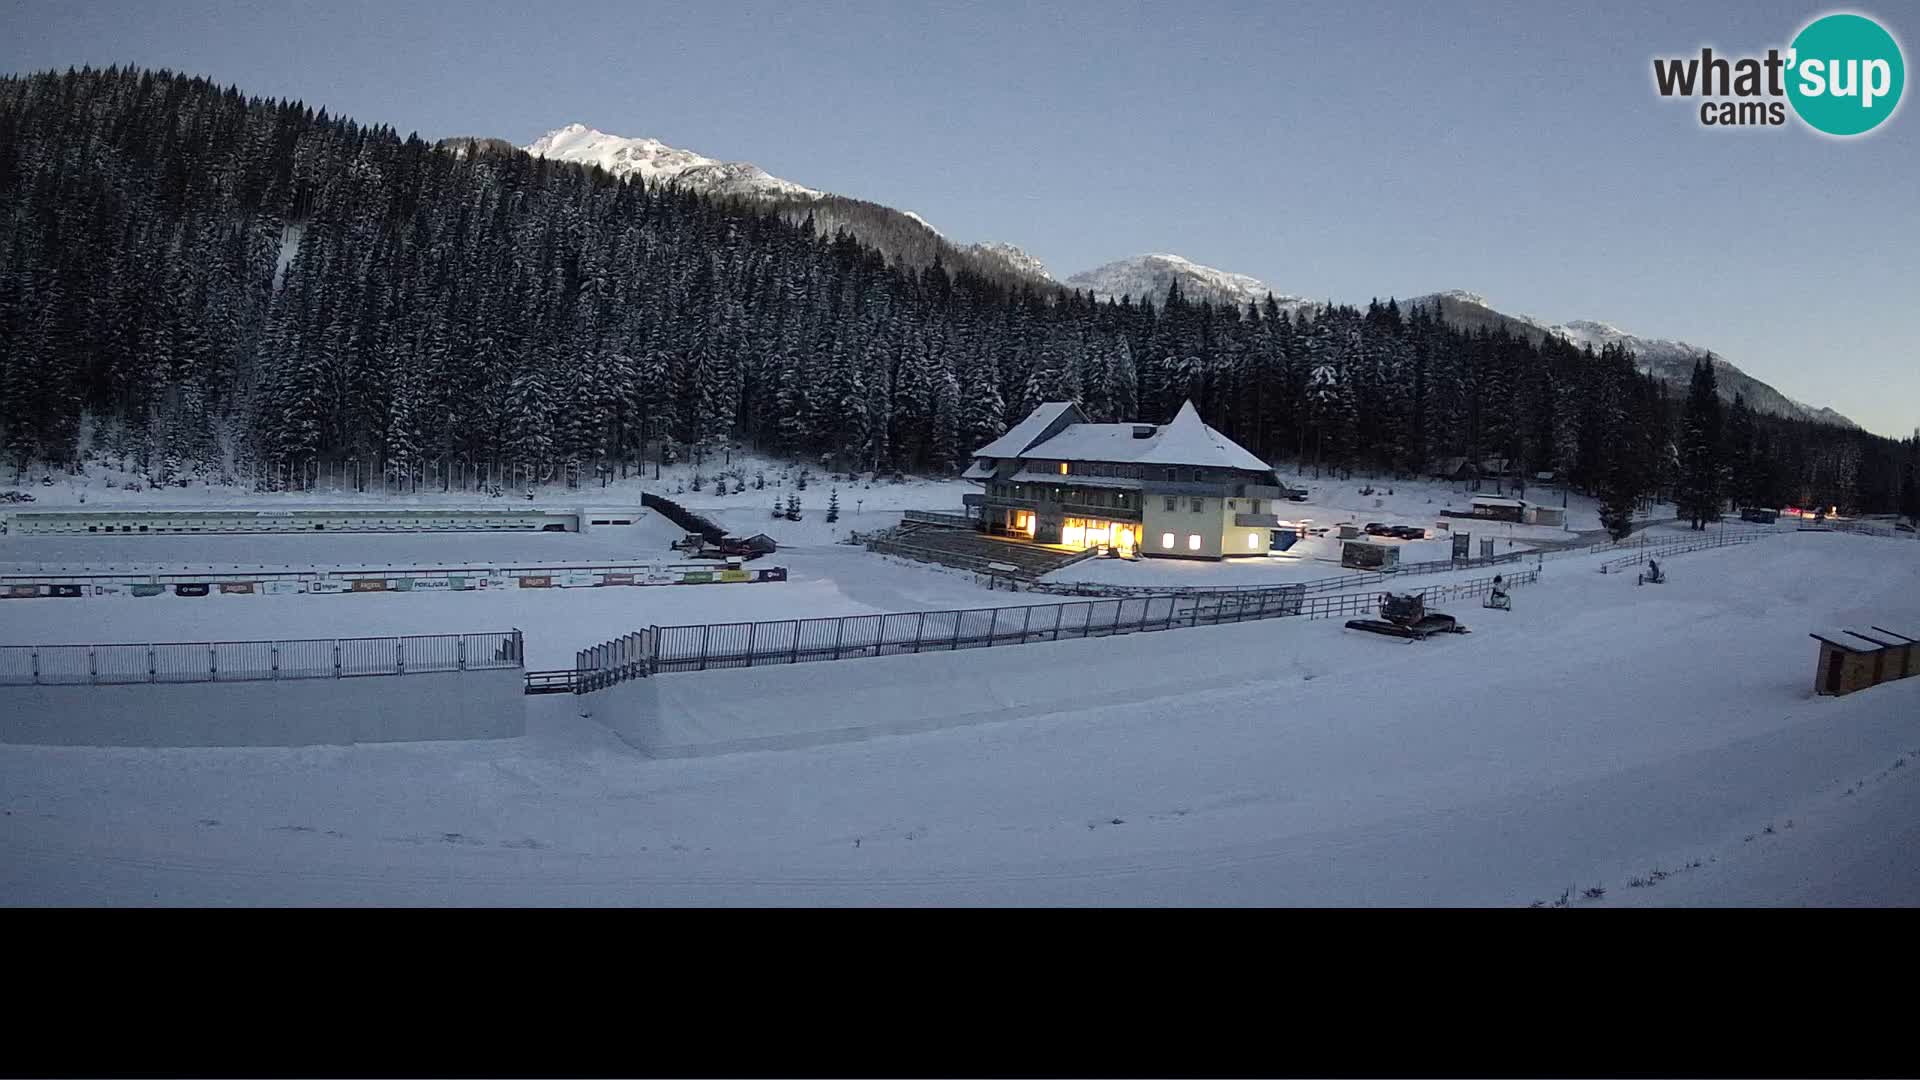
1845 74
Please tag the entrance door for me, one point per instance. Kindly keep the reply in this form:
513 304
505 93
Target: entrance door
1123 540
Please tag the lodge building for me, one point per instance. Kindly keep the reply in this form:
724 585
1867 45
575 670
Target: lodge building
1179 489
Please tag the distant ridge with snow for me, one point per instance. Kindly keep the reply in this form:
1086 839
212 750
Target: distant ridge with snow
1149 276
656 162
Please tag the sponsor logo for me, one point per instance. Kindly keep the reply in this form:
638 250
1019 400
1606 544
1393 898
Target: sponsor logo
370 585
1842 75
192 588
539 582
234 587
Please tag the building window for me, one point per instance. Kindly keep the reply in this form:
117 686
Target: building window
1198 505
1173 504
1259 506
1166 541
1193 541
1253 541
1233 504
1063 468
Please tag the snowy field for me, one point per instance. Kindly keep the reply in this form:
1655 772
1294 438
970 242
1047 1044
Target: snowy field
1600 733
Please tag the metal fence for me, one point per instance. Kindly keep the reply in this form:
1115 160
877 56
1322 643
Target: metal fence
1336 583
662 649
1685 544
249 661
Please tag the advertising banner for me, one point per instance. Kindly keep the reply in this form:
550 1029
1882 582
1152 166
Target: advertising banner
696 577
616 579
232 588
147 590
69 591
432 584
20 592
542 581
282 588
575 579
735 575
191 588
325 585
370 585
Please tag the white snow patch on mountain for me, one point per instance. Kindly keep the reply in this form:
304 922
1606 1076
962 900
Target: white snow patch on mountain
656 162
1149 276
925 222
1011 256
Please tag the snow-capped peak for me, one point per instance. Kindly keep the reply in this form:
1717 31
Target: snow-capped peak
1013 257
1464 296
924 222
1148 277
656 162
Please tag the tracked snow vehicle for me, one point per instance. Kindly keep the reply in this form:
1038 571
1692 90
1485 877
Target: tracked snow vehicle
1406 616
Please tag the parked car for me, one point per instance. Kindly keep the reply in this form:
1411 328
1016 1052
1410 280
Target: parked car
1409 532
1375 528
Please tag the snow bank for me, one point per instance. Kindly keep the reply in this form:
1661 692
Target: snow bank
294 712
684 714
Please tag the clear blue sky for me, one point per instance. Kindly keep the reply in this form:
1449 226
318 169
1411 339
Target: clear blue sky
1334 150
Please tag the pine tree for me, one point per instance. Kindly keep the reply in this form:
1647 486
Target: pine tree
833 506
1702 482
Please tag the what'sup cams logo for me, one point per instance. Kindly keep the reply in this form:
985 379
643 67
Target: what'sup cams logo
1842 75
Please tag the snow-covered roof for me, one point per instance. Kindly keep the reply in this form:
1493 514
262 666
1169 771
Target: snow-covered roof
1184 440
1029 476
1488 501
1025 433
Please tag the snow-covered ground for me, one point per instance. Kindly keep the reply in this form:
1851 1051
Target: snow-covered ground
823 581
1598 732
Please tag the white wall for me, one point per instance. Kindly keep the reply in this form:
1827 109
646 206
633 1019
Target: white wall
683 714
295 712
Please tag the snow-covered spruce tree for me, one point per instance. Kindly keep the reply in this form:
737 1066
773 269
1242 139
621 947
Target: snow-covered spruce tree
833 505
1701 489
1910 484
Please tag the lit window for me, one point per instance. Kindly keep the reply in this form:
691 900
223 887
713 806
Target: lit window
1193 542
1063 468
1166 540
1253 541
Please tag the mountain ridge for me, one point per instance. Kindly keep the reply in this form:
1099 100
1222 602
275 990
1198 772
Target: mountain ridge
1147 276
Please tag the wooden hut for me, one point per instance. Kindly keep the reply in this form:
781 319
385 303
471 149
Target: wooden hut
1854 660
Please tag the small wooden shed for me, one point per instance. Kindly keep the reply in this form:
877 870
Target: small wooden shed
1854 660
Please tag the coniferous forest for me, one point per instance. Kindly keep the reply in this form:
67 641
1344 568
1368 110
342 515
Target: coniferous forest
210 284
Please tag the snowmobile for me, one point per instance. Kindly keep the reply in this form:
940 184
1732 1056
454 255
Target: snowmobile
1406 616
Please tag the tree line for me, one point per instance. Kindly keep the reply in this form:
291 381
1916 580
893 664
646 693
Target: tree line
200 282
